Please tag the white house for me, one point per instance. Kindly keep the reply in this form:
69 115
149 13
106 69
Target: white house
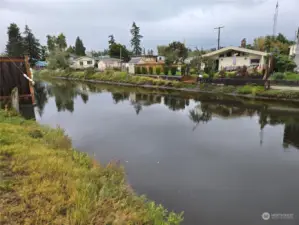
83 62
230 58
294 52
293 49
109 63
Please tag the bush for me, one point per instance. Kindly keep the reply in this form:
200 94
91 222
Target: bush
205 76
137 70
173 70
158 70
250 89
166 70
150 70
291 76
231 74
278 76
144 70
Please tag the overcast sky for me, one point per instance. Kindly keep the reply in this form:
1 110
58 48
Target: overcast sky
160 21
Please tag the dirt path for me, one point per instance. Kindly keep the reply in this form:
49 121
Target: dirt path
277 87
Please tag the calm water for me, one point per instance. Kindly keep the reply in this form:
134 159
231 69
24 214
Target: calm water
221 161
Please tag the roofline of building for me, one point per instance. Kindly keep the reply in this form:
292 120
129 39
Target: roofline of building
254 52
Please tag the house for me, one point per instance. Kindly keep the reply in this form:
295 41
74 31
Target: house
230 58
40 64
109 63
145 61
83 62
294 52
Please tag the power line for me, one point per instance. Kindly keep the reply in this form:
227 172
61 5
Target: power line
219 29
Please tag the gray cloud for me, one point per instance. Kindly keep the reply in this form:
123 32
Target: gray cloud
161 21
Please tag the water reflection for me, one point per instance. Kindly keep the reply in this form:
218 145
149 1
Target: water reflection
206 107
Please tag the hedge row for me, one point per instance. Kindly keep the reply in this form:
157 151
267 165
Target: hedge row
172 70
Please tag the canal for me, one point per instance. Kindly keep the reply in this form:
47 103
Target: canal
220 160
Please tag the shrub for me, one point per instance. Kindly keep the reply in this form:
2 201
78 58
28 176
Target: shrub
173 70
158 70
166 70
278 76
150 70
192 71
231 74
250 89
137 70
144 70
291 76
205 76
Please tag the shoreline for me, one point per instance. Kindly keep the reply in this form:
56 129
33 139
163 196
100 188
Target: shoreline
62 185
190 90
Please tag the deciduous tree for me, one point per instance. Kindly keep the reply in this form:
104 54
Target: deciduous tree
61 42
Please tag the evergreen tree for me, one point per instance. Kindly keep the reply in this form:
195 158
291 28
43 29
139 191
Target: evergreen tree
61 42
136 39
14 46
43 53
31 46
111 39
79 47
51 43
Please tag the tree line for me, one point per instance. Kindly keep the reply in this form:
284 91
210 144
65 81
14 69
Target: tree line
57 52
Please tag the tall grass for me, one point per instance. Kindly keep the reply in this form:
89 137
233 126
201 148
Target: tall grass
45 181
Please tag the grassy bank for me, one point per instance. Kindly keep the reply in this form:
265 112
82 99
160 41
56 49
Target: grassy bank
111 76
44 181
122 77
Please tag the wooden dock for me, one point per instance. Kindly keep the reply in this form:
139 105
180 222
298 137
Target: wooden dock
12 72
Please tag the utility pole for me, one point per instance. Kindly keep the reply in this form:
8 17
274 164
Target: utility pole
120 59
275 20
218 28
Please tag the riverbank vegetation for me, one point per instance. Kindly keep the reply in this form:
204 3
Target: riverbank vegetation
43 181
253 91
113 76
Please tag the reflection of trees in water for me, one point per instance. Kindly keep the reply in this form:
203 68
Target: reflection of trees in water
175 103
118 97
64 93
291 135
200 114
41 96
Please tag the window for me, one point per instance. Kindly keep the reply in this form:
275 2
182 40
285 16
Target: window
89 62
81 63
254 61
229 54
221 56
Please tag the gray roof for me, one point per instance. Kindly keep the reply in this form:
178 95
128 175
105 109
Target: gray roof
135 60
110 60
